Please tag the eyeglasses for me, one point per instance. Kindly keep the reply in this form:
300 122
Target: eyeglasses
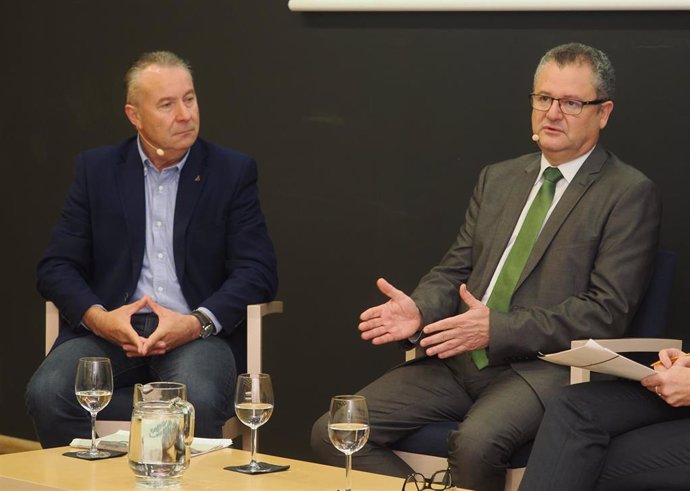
573 107
440 480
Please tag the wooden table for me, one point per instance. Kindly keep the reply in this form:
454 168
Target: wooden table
49 470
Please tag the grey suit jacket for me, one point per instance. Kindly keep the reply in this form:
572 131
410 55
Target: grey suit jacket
585 275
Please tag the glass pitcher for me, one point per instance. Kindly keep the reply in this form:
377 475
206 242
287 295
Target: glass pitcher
160 439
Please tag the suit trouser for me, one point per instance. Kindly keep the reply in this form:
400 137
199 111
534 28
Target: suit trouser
610 436
498 412
206 366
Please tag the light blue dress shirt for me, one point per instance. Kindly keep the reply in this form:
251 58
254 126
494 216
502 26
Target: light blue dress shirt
158 278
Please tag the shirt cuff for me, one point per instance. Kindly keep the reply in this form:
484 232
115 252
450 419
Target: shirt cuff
83 324
415 339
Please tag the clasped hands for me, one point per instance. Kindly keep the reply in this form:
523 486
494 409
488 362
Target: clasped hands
173 330
672 380
399 319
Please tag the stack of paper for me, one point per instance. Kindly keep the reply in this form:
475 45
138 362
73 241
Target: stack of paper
120 440
595 358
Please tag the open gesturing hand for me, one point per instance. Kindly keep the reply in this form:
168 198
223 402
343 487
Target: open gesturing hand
395 320
464 332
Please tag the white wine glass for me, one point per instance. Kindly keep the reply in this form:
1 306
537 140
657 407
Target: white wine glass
254 406
93 386
348 428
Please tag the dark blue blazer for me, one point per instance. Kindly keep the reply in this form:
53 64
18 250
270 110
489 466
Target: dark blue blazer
224 258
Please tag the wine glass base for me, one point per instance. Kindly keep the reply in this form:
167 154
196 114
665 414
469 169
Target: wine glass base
257 468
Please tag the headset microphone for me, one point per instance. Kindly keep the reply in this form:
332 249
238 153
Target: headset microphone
159 151
535 137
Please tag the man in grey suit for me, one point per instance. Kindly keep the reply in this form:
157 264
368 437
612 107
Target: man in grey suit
497 298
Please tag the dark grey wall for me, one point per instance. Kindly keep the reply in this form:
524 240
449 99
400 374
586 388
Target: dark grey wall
369 130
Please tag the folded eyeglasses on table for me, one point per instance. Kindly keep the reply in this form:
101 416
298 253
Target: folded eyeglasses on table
439 481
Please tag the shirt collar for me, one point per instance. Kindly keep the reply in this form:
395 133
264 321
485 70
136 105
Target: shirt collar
568 169
146 162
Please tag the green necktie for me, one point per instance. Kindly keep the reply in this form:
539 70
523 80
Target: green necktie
517 258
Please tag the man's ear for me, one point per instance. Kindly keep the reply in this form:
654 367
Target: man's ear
132 115
605 110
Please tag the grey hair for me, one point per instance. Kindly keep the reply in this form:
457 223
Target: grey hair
577 53
161 58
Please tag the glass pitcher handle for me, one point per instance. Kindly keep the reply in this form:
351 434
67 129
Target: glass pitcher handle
188 411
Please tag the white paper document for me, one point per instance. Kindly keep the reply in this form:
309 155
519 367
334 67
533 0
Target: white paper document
594 357
120 440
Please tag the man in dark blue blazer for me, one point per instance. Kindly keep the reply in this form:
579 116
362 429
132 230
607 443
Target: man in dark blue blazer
160 247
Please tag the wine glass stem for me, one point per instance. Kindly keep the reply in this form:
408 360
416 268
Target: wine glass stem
253 447
348 472
93 449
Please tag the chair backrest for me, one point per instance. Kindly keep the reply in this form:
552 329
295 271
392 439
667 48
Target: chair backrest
652 315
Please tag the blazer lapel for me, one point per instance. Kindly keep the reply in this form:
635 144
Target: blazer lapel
584 178
192 180
130 183
518 191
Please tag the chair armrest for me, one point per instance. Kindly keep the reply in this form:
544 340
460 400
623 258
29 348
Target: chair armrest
255 315
622 345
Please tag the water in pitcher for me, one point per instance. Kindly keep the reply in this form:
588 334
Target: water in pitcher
159 450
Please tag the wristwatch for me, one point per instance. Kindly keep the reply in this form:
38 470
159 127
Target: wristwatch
207 327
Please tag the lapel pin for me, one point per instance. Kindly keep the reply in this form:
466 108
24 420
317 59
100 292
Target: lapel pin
197 178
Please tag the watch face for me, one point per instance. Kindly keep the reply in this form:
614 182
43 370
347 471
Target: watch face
206 330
